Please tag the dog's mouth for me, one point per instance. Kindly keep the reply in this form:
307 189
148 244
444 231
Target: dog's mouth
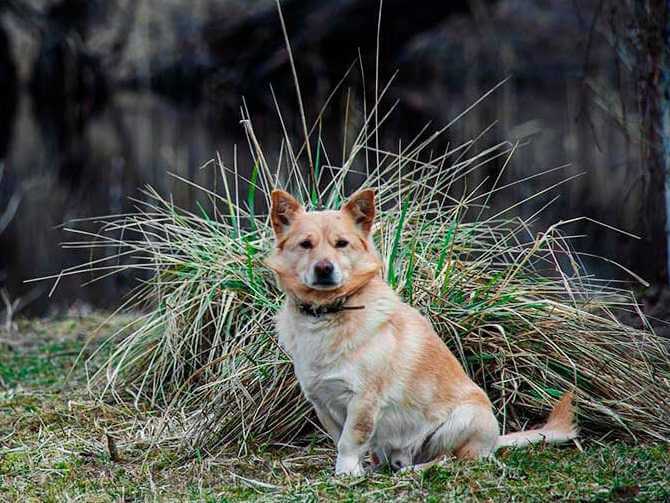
331 280
324 284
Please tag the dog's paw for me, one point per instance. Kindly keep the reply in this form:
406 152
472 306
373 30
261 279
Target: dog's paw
355 471
348 466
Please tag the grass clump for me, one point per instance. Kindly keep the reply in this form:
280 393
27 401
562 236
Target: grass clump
516 306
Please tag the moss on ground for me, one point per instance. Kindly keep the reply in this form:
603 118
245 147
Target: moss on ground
54 446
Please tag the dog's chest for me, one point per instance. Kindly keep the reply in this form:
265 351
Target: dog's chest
321 365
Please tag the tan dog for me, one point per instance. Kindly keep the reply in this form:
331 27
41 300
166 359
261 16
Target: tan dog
377 374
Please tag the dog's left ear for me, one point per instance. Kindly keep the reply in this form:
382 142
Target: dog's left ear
361 208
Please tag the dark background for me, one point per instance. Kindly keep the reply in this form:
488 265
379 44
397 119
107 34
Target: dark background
100 97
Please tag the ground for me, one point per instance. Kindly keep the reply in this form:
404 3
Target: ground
57 443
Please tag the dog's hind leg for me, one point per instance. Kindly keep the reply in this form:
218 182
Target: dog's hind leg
470 432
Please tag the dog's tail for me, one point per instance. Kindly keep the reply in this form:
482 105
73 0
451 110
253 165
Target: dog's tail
560 427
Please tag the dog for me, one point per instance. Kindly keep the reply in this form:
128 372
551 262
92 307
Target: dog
381 381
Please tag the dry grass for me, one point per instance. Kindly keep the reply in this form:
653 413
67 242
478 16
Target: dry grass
516 307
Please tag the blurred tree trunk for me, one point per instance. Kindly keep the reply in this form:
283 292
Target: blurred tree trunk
8 92
652 24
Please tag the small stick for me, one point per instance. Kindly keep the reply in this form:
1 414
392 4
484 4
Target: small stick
111 447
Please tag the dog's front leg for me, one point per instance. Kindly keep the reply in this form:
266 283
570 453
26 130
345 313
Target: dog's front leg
356 434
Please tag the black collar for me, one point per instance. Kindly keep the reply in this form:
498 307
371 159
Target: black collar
318 311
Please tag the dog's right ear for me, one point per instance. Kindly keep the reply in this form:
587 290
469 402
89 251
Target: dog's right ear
283 212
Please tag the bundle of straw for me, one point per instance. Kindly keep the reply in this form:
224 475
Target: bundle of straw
517 308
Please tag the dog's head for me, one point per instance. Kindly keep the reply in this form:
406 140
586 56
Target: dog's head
323 255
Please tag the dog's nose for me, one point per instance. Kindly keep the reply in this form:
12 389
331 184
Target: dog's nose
323 269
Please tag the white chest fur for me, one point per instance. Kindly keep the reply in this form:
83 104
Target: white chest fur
309 341
328 365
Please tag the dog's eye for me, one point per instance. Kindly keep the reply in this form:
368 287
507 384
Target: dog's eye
341 243
306 244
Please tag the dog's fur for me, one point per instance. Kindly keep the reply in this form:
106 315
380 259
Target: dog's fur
380 379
